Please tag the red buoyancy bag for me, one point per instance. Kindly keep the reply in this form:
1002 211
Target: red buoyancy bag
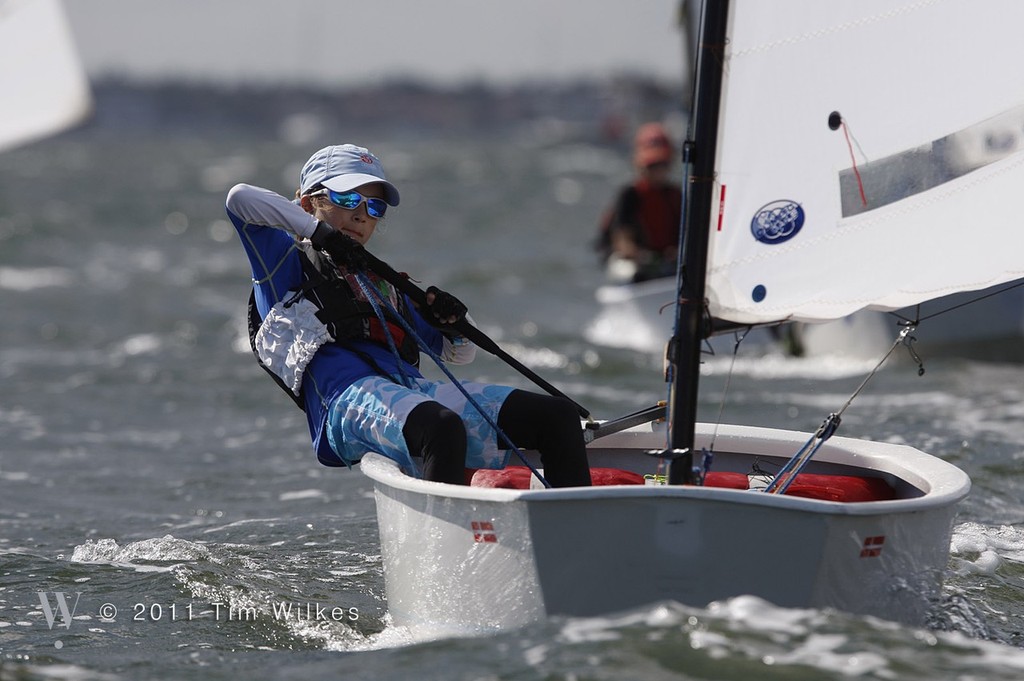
518 477
840 488
510 477
846 488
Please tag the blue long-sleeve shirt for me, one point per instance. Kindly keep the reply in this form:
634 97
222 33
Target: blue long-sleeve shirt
269 225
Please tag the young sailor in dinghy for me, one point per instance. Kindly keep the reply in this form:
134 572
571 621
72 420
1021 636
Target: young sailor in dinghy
639 234
343 342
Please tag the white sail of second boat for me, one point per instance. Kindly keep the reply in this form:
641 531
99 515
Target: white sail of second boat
43 86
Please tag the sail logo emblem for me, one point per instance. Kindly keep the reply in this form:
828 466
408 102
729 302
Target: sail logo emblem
484 532
872 547
777 222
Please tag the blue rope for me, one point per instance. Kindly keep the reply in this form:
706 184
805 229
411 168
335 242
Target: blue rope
364 285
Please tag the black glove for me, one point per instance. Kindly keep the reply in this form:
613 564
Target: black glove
446 308
345 251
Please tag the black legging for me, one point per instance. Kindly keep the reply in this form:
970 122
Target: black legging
437 434
548 424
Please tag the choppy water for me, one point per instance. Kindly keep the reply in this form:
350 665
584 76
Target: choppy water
148 465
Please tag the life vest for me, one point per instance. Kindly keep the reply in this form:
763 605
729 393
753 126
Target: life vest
328 307
655 211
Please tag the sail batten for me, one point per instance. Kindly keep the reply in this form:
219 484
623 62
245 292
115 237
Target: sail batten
864 168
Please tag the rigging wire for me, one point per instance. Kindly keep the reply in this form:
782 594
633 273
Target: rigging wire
728 383
787 474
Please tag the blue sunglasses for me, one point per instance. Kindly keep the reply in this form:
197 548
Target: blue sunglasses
350 201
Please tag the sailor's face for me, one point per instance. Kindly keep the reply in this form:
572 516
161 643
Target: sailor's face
353 222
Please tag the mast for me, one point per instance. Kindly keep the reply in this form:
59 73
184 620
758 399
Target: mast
684 352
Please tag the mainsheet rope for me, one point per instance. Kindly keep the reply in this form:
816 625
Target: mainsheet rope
972 301
366 286
377 299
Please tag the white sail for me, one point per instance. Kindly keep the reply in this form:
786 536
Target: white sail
932 104
42 84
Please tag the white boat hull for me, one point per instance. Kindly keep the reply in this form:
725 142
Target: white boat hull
641 317
979 324
465 560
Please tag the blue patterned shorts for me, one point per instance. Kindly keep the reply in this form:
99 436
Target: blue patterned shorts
369 415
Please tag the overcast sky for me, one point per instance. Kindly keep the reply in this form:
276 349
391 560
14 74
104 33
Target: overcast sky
349 41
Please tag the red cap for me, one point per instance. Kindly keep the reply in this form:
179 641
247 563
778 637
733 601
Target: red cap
652 145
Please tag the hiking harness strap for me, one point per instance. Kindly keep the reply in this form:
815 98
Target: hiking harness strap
323 309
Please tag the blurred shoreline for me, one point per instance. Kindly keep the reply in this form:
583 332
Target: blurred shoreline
597 111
